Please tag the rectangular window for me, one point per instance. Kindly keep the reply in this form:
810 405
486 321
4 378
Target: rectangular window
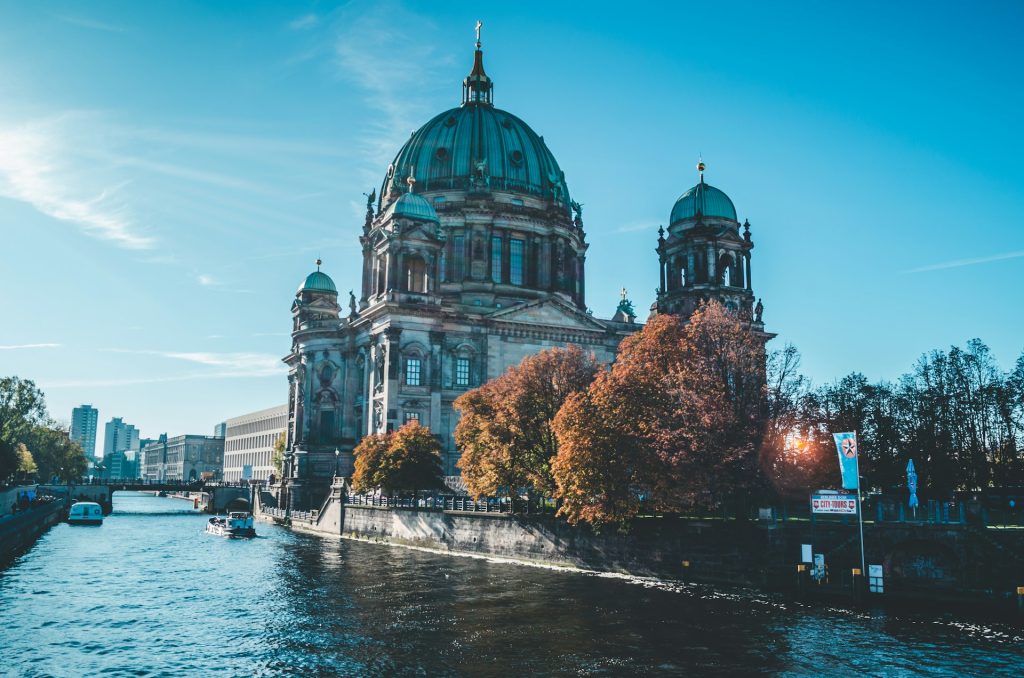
442 268
326 426
412 371
516 262
412 416
462 371
459 256
496 259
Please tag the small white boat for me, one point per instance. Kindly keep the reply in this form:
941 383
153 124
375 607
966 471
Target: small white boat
85 513
236 524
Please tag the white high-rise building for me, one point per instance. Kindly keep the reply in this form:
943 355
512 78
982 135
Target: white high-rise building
83 428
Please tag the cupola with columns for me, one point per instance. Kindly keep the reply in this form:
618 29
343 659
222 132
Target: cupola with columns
705 255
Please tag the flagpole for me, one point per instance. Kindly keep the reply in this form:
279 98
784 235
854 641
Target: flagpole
860 519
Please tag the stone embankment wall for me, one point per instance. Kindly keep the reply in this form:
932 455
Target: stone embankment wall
659 547
918 559
21 530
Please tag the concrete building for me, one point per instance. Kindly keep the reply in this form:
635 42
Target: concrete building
193 457
250 443
119 439
84 420
153 458
473 259
220 430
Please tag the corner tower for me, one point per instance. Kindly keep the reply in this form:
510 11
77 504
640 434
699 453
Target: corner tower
705 256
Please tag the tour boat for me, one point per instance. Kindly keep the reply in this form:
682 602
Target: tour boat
85 513
236 524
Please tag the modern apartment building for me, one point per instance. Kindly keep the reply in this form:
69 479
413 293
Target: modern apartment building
83 428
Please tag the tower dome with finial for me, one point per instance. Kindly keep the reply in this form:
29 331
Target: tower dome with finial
413 206
318 281
704 200
477 148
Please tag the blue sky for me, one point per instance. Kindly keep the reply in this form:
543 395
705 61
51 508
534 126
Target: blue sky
169 171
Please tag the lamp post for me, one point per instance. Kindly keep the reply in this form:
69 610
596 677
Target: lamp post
337 455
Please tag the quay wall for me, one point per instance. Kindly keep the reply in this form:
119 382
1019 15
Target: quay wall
920 561
18 532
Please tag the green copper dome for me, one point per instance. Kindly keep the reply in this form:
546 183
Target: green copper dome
412 206
705 199
318 281
477 147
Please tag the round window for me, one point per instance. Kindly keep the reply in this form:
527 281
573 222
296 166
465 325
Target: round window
517 157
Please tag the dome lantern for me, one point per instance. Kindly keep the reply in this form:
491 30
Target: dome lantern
703 200
477 88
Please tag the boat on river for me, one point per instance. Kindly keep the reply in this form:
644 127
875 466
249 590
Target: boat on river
85 513
235 524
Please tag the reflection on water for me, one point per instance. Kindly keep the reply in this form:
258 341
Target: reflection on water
149 593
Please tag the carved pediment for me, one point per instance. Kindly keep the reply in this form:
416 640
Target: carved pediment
551 312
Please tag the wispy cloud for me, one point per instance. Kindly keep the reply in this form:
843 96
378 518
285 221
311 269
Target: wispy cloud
206 280
957 263
35 169
304 22
94 24
229 364
16 347
368 36
638 226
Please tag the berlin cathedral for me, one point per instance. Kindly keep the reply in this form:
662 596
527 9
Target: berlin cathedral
473 258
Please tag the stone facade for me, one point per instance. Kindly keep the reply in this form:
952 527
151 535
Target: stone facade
473 259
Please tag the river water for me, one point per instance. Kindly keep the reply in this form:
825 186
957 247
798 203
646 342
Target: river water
149 593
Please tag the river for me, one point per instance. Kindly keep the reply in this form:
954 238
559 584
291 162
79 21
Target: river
149 593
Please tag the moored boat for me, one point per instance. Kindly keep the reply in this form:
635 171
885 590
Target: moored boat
235 524
85 513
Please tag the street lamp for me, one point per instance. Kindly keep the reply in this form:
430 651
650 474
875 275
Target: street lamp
337 454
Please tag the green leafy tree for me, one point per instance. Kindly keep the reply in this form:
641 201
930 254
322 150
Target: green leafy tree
22 406
55 454
277 456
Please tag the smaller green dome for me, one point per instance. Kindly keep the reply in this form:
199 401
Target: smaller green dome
413 206
318 281
705 199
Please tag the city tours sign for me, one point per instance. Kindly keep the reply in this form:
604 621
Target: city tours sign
826 502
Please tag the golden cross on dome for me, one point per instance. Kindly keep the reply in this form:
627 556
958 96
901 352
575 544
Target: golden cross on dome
318 262
412 178
479 25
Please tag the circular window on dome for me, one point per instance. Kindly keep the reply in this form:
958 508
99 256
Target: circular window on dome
441 154
506 123
450 122
516 157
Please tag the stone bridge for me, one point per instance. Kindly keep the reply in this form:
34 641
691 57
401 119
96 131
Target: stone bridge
213 497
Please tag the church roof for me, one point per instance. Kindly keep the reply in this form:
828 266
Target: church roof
413 206
477 144
705 199
318 281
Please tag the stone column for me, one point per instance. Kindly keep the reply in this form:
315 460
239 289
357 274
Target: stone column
747 261
367 274
712 277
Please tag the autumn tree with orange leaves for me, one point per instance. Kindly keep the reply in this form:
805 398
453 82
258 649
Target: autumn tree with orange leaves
505 431
678 420
408 459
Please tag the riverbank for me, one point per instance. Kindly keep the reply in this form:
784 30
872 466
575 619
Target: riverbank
20 530
955 566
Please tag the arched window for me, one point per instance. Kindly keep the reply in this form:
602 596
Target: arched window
726 270
416 274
